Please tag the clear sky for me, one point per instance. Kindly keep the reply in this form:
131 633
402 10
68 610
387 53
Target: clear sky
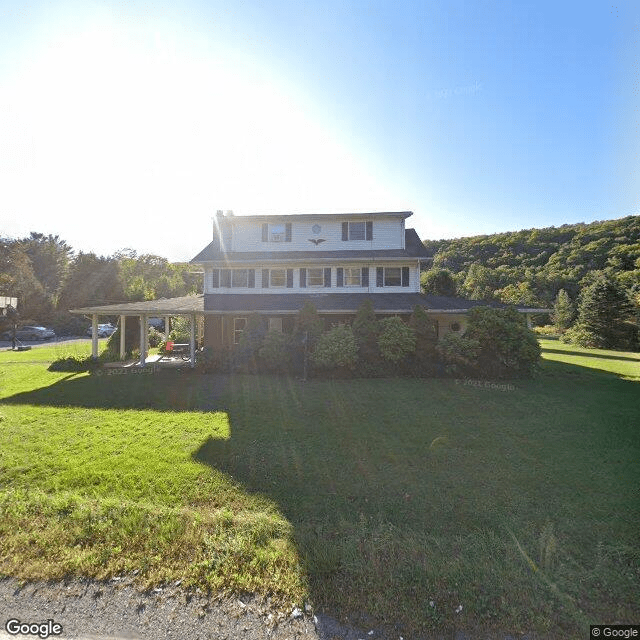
127 124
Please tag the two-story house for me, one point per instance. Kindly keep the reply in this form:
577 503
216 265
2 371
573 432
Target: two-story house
272 265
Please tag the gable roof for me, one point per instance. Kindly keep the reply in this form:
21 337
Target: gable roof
413 249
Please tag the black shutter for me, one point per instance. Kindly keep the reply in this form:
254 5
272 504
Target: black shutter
225 277
405 276
339 277
327 277
215 278
265 232
365 276
252 278
379 276
289 278
369 235
287 232
265 278
303 277
345 230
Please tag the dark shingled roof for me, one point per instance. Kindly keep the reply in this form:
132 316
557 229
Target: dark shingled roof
335 302
413 249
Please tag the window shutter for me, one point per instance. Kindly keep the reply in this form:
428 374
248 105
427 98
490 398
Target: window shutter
379 276
339 277
369 235
365 276
265 278
327 277
225 277
345 230
289 278
287 232
405 276
252 278
215 278
303 277
265 232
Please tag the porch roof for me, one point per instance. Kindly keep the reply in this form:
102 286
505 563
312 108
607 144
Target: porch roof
160 307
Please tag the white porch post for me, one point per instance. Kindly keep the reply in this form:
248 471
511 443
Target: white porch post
192 340
166 328
94 335
528 318
123 321
143 340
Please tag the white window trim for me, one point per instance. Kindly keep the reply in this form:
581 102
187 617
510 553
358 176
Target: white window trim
384 279
240 286
236 331
351 270
284 280
320 282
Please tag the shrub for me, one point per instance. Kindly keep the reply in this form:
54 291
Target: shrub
396 340
459 353
245 353
546 330
426 332
155 338
336 349
365 331
580 335
308 322
75 364
507 346
276 352
213 360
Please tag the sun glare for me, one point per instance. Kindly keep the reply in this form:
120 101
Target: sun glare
128 125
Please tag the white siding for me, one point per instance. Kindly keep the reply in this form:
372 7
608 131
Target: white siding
414 279
388 233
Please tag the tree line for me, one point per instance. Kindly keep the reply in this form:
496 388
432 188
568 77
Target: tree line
588 273
48 277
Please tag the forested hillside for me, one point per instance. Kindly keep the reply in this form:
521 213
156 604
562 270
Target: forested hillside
530 267
48 277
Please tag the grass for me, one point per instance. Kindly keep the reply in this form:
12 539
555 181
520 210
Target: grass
366 497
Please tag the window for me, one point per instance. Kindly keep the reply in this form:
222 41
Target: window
239 325
233 278
240 278
275 324
357 230
276 232
352 277
315 277
392 277
278 277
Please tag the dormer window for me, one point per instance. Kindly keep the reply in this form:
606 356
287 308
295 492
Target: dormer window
276 232
357 230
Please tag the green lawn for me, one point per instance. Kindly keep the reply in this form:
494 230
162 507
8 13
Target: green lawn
379 497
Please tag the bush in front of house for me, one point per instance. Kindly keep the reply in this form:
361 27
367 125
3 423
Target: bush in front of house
155 338
336 350
73 364
276 352
506 346
396 340
213 360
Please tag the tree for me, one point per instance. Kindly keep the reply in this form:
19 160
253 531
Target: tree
564 311
438 282
365 331
426 332
336 348
605 315
396 340
49 257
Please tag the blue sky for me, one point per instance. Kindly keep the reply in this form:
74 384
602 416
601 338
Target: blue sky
127 124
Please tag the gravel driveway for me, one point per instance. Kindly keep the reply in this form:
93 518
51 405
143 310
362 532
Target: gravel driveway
115 610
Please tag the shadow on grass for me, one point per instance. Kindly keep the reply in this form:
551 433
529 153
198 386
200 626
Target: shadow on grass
588 354
178 390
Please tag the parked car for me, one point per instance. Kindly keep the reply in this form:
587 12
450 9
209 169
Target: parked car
104 330
31 333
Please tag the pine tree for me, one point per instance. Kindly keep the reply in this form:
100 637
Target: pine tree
605 312
564 311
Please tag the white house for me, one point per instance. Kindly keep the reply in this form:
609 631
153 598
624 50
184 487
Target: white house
272 265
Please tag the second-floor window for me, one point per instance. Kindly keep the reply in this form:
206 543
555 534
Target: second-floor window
357 230
352 277
315 277
276 232
392 276
236 278
277 278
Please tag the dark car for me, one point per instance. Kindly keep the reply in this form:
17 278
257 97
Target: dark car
30 332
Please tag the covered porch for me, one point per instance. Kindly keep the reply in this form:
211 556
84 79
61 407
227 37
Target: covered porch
190 306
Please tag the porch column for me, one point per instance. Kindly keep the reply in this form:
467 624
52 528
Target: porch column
143 340
192 340
94 335
166 328
528 319
123 320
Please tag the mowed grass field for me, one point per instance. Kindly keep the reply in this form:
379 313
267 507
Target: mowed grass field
430 504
